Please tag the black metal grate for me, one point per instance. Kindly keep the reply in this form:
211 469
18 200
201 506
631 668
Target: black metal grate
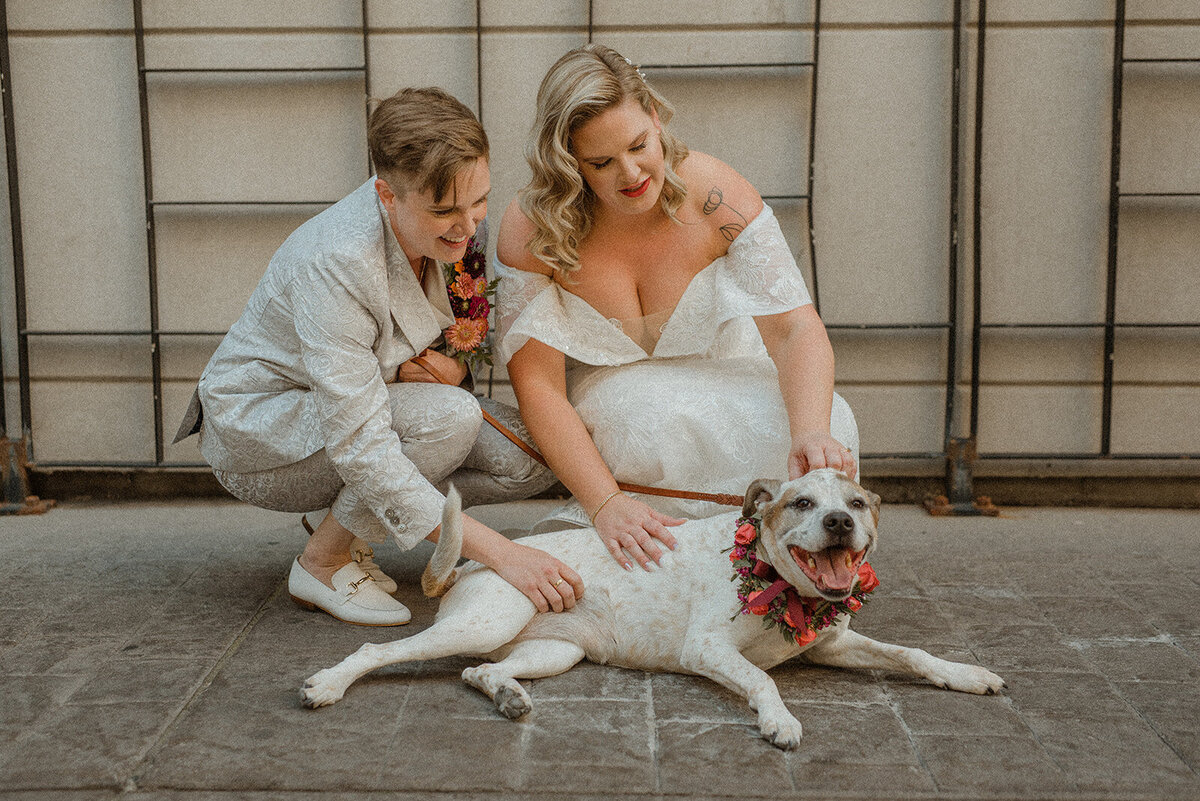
1110 325
154 333
951 326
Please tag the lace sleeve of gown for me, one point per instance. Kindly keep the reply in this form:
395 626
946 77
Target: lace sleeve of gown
531 306
760 275
517 288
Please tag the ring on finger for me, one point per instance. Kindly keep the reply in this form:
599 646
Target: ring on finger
560 581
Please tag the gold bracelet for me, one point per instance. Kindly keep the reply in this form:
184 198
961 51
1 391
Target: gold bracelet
592 519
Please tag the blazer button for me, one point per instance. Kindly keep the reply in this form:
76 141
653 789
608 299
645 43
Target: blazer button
392 517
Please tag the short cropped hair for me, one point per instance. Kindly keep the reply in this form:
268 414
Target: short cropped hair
419 139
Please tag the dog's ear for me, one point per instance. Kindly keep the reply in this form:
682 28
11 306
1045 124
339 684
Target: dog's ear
761 491
875 502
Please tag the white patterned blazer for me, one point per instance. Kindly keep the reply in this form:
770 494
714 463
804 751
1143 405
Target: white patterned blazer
304 368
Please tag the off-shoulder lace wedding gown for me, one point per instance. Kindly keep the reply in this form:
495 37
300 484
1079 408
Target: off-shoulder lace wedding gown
687 399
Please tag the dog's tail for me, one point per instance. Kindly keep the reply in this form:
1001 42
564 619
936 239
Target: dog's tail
440 574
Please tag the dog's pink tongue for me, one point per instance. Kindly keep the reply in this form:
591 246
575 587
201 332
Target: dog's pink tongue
833 572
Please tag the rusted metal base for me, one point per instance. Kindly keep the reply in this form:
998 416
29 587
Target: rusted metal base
960 456
15 479
940 506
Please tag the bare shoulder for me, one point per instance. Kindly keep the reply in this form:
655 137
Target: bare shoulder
719 195
511 244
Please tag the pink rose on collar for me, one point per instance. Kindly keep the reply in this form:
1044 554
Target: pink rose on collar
867 580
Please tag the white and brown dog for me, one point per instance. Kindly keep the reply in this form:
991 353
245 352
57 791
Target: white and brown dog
683 618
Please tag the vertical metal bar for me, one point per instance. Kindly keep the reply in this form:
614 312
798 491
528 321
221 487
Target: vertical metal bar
3 376
366 62
366 50
15 496
14 212
591 20
1114 213
18 241
976 222
491 379
960 451
151 254
952 312
479 59
812 152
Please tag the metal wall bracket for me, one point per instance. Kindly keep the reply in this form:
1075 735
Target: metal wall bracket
15 479
960 457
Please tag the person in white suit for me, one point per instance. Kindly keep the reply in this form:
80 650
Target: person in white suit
313 398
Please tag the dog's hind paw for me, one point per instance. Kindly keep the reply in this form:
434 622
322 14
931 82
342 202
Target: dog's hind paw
513 702
317 693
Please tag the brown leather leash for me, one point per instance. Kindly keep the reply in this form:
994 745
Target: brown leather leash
721 498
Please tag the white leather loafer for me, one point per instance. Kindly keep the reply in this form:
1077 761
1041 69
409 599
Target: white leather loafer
361 552
355 598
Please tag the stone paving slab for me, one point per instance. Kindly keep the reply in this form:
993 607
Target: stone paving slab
151 652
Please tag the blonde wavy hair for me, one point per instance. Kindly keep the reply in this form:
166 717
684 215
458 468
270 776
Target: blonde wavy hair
580 86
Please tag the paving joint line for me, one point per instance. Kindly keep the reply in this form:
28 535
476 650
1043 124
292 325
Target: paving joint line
133 783
894 705
1082 646
654 744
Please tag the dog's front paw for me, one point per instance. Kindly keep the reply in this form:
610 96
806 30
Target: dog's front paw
782 732
968 679
985 682
319 691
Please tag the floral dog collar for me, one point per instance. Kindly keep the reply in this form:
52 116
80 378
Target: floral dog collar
762 592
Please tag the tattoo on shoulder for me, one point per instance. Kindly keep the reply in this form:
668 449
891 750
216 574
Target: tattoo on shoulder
715 200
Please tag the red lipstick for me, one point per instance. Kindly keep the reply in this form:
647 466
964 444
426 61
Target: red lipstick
637 191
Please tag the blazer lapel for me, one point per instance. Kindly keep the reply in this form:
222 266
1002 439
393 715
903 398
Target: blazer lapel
409 308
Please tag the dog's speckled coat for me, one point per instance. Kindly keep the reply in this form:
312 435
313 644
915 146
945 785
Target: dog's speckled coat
676 618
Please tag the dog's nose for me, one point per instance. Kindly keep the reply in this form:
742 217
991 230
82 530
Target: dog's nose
837 523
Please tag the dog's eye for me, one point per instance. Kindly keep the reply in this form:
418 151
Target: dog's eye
857 503
802 503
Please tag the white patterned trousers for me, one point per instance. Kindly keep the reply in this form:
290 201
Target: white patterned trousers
441 431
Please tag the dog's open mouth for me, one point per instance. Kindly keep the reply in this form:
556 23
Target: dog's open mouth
832 570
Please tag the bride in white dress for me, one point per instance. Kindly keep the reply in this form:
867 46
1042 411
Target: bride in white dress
655 325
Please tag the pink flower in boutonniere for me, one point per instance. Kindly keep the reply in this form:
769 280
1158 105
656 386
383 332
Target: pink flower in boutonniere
468 287
478 308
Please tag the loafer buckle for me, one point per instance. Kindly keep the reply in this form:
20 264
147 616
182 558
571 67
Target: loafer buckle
353 586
